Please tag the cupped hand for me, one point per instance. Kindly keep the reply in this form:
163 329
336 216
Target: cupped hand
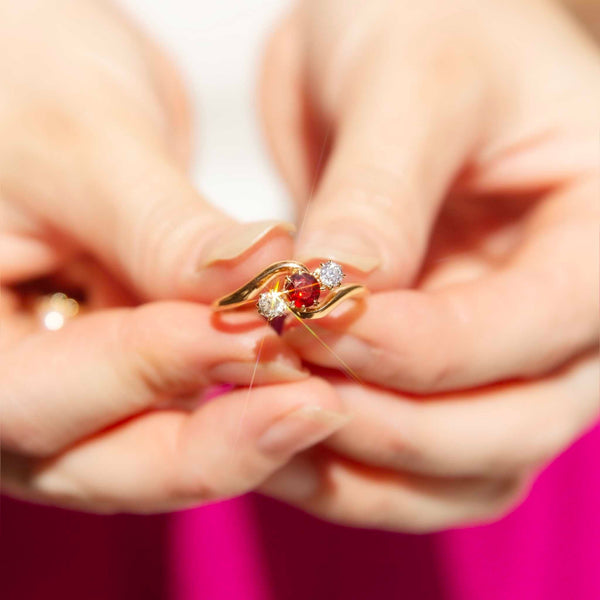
95 139
459 158
110 412
93 145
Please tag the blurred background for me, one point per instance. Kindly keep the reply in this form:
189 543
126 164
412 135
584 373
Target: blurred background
218 47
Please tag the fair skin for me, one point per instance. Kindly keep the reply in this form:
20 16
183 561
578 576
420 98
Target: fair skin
92 164
499 334
462 161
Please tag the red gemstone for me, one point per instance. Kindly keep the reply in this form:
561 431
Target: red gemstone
303 289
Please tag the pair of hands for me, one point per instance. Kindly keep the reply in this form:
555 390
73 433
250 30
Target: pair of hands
461 160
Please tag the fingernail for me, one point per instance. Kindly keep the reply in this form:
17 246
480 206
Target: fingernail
298 480
234 243
301 429
353 351
241 373
348 247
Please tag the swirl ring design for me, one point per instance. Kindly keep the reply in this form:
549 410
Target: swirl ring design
309 295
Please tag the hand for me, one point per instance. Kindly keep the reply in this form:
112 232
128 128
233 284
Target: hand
462 161
92 416
93 137
94 132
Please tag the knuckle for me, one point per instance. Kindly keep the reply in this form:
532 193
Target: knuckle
156 358
396 509
447 358
386 511
183 489
437 373
145 242
157 217
187 483
24 432
142 369
506 495
28 438
434 361
419 438
317 392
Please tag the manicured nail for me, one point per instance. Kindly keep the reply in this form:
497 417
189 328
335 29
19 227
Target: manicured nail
242 373
298 480
350 248
356 353
234 243
301 429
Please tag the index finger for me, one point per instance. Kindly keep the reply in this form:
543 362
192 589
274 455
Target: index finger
58 387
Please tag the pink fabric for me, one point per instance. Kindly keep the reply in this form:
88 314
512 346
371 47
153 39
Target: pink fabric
256 549
548 549
215 554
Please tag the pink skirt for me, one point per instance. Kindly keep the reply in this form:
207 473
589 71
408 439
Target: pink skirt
253 548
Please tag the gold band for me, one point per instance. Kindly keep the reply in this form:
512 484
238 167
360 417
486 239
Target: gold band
278 295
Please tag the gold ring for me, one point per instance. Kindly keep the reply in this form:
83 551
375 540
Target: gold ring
290 286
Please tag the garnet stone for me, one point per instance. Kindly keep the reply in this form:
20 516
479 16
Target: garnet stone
303 289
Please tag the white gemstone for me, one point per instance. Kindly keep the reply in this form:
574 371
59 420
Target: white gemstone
331 274
272 304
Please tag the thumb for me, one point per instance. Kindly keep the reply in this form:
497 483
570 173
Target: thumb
130 204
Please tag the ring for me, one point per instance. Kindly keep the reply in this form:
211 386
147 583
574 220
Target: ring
290 286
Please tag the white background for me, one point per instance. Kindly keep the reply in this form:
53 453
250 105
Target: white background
218 47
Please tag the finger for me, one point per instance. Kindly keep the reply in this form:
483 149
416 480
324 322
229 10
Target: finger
58 387
168 460
284 107
492 433
351 494
522 320
400 140
26 258
125 198
27 249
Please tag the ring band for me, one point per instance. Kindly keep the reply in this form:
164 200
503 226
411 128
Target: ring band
293 287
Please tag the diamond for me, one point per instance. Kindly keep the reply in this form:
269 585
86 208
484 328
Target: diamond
330 274
303 289
272 304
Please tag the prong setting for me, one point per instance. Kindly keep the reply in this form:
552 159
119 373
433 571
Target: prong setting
272 304
330 274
